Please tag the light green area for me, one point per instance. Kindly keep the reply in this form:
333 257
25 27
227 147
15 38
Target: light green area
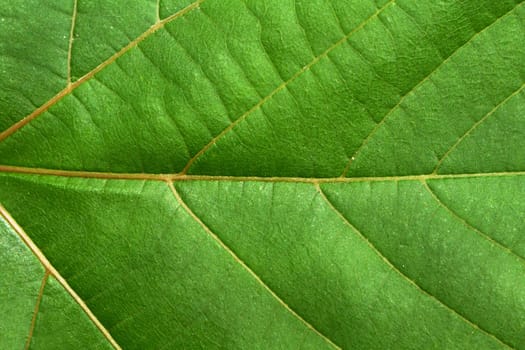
62 324
375 92
20 278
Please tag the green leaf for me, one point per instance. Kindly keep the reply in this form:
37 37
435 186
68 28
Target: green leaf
262 174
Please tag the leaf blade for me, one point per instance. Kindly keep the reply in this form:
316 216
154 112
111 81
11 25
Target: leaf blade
274 174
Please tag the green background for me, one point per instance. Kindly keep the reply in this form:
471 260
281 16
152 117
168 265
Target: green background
262 174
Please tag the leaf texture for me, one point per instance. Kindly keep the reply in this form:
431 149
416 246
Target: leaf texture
262 174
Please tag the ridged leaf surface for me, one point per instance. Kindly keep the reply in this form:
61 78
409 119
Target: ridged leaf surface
262 174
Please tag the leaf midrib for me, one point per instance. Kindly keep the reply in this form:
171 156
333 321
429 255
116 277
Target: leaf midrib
177 177
172 178
295 179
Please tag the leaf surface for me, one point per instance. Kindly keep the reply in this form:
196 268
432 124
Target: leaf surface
263 174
